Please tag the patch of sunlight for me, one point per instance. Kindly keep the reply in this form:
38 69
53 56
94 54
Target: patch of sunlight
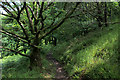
11 58
76 68
68 51
93 64
47 75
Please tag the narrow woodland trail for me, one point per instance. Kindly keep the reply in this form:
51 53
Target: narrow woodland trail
60 73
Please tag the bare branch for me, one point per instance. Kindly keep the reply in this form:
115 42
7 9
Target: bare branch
37 8
23 29
19 12
58 24
5 15
16 52
16 6
30 20
6 3
40 16
14 34
43 29
47 27
38 3
33 15
54 20
9 12
33 6
17 38
40 11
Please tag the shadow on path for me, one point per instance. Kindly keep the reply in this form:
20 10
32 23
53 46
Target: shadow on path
60 73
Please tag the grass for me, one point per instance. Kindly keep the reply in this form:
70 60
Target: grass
17 67
94 55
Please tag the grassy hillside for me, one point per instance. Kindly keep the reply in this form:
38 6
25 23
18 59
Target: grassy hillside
92 56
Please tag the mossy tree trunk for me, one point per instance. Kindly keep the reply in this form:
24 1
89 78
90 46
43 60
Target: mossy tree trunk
35 58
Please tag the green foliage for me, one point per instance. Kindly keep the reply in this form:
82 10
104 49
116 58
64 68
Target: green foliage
18 67
82 47
96 54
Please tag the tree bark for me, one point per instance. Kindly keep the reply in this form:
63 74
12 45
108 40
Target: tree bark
35 57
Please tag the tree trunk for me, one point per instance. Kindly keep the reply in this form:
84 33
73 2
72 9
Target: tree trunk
105 14
99 16
35 57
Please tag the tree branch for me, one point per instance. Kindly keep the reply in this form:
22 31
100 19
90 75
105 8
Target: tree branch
33 15
43 29
15 36
30 20
40 11
40 15
18 38
6 3
16 52
6 15
8 11
26 36
33 6
12 34
58 24
19 12
16 6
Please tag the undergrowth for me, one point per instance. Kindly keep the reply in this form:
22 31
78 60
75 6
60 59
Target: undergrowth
18 67
92 56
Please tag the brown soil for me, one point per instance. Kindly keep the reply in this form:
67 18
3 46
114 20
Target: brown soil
60 72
